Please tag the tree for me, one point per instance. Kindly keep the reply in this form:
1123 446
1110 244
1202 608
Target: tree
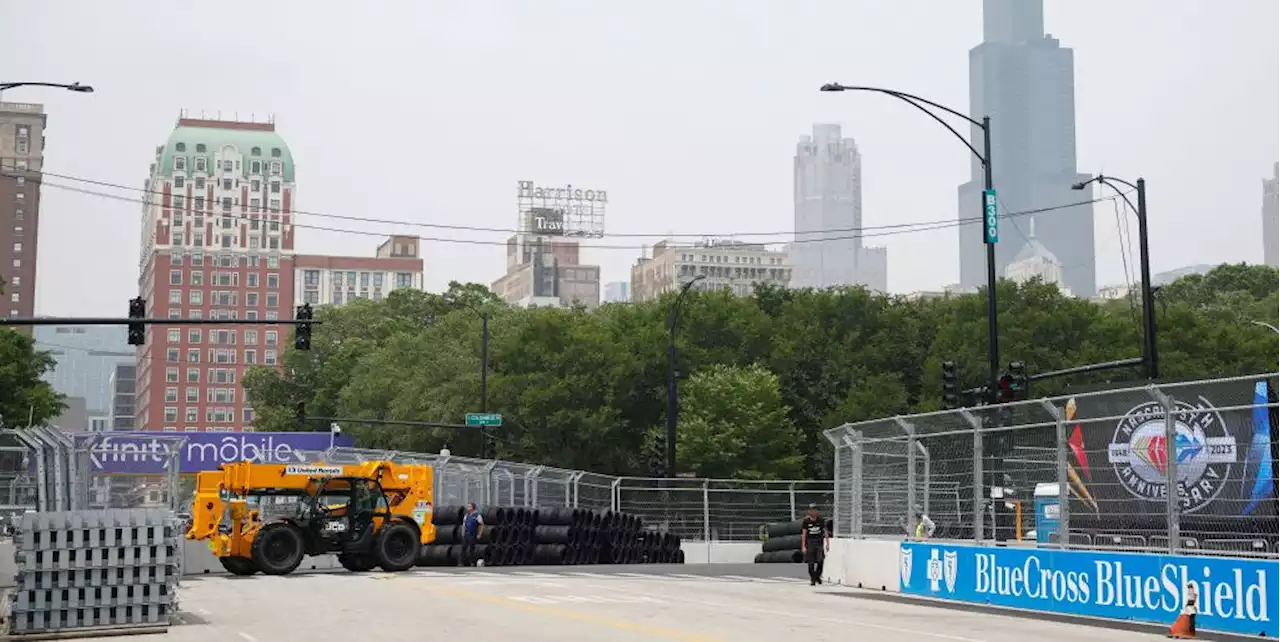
25 399
733 424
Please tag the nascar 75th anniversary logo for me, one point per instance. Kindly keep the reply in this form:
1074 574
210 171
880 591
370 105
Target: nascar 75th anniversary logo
1204 449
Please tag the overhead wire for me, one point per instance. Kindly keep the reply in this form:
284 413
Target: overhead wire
894 230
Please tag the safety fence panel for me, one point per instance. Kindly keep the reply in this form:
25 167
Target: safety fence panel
719 509
1086 470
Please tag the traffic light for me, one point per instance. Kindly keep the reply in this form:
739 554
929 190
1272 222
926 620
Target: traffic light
137 330
950 386
302 331
1018 372
658 455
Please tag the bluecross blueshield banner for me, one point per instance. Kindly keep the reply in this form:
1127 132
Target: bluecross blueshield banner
1235 595
142 453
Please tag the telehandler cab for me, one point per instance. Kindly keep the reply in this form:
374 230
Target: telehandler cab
376 513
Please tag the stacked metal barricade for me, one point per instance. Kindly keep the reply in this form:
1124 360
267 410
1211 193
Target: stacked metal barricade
96 569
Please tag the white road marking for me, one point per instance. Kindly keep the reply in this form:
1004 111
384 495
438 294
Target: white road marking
535 574
203 611
248 637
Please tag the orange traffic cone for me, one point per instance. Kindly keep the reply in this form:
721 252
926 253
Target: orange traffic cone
1184 628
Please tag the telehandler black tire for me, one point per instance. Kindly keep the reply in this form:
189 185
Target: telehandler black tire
396 548
357 563
238 565
277 549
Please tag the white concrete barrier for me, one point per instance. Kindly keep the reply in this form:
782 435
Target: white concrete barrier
863 563
697 552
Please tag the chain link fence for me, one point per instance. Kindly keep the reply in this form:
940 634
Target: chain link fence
1095 465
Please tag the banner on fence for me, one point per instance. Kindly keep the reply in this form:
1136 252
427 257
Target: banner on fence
143 453
1235 595
1225 458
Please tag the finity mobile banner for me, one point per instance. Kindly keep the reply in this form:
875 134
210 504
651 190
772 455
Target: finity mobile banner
1235 595
143 453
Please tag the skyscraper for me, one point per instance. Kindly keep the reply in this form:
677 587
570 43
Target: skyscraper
217 242
827 185
21 160
1271 217
1025 81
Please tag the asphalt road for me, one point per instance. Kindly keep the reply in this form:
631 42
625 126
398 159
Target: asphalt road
703 603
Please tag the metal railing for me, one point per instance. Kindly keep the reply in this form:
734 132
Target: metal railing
1094 465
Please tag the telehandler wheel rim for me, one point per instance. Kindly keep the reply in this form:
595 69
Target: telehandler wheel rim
279 549
401 545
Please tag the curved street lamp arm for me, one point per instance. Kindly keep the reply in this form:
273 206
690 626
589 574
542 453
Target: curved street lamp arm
75 86
1107 180
915 101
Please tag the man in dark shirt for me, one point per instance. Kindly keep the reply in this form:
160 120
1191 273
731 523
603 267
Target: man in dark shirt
815 542
472 529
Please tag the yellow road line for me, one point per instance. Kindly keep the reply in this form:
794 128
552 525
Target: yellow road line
568 614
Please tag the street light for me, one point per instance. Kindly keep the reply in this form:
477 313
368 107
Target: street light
672 406
1149 347
75 86
993 337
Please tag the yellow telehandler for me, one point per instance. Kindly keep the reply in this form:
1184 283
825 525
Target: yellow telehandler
371 514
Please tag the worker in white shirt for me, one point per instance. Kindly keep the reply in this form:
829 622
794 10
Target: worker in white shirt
925 527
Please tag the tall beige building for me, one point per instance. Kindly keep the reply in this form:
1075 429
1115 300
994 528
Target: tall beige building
546 271
21 159
731 265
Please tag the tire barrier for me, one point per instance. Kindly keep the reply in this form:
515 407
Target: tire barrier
93 570
557 536
782 541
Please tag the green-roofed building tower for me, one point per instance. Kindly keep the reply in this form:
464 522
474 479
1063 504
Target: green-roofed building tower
217 242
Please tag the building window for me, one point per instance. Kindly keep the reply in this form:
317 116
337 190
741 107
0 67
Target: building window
179 164
175 296
200 164
192 417
227 166
273 300
17 281
193 355
251 279
177 237
17 248
170 415
171 375
175 335
255 204
273 281
196 297
200 185
17 263
272 337
197 277
181 147
200 148
171 395
193 394
226 183
255 167
250 357
269 357
193 336
14 297
175 277
179 182
179 201
175 314
275 153
275 205
404 279
275 187
193 375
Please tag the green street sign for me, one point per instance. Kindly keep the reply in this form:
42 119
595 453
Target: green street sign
990 222
491 419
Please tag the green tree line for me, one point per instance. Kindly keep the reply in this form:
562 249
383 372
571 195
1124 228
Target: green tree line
761 376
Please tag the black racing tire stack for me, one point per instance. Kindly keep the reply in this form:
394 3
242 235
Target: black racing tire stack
557 536
782 542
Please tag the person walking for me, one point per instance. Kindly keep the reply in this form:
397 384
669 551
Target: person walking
925 527
815 543
472 531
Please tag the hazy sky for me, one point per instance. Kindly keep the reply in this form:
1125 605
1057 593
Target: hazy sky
686 111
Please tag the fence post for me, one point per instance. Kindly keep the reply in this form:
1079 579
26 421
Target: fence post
531 487
615 495
910 431
978 520
487 489
927 477
706 516
1171 494
791 491
34 447
1064 489
855 495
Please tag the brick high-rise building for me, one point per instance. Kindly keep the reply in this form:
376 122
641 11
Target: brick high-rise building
217 242
21 159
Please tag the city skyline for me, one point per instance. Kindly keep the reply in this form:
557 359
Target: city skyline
742 184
